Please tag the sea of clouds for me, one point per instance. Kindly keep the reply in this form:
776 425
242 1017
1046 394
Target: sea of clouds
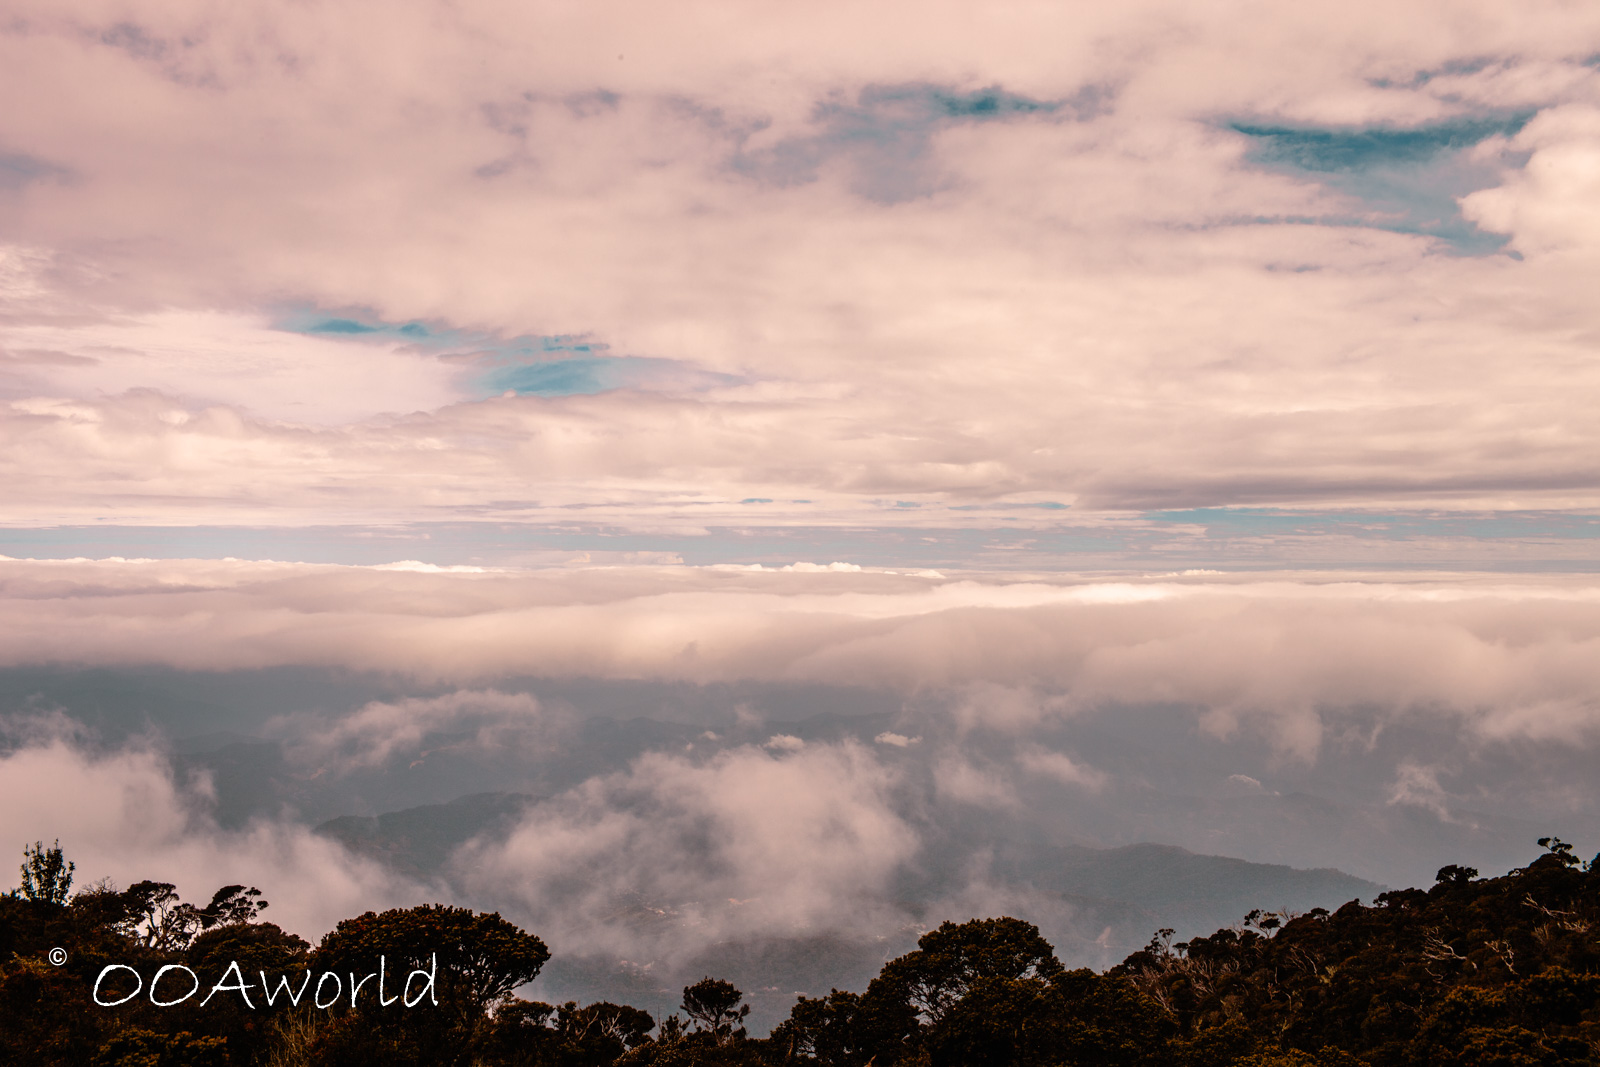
1452 711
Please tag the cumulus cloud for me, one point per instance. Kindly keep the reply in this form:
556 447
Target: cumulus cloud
672 854
1549 207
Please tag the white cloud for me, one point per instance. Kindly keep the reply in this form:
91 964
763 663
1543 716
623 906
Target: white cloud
1418 786
1553 205
1095 310
888 737
673 855
122 816
1061 767
376 732
1504 657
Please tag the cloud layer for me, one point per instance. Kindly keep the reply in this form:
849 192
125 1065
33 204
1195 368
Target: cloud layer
1120 260
1503 658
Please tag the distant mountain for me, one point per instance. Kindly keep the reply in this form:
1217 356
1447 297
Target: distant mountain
1186 889
1097 905
247 735
418 841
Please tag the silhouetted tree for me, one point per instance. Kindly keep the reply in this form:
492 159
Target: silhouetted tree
232 905
1500 971
158 918
476 959
46 874
948 960
713 1006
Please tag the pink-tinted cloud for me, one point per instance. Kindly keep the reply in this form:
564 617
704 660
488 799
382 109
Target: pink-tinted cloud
1098 296
1506 658
123 816
673 854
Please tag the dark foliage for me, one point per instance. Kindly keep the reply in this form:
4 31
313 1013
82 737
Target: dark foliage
1493 971
46 874
1496 972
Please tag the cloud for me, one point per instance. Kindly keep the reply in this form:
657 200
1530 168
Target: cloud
1246 783
376 732
992 284
123 816
888 132
966 782
1418 786
672 854
889 737
1062 767
200 359
17 171
1549 207
1501 657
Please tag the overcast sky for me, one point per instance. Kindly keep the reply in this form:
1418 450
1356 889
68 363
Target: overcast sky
662 273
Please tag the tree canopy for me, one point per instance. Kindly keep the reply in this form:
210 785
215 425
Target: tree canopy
1497 972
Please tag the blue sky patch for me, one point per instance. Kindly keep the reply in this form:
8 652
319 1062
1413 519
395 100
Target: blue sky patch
886 135
342 326
1229 523
585 375
1044 505
1454 68
1407 180
529 365
1237 539
1336 150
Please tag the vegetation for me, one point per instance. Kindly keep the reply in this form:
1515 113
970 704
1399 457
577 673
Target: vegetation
1492 972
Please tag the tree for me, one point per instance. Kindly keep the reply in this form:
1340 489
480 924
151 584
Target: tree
157 918
1560 849
481 957
948 960
476 961
1075 1017
46 874
831 1029
604 1021
137 1047
260 949
713 1006
232 905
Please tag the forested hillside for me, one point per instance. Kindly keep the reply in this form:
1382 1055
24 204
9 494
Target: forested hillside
1481 971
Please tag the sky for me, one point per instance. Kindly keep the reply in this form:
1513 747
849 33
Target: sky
1230 369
